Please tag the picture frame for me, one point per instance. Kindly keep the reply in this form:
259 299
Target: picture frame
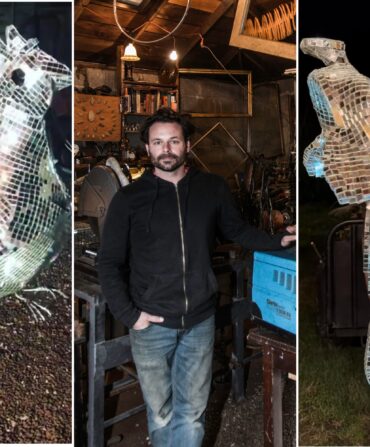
246 76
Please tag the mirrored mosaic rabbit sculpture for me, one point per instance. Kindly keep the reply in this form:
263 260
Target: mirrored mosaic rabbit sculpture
34 202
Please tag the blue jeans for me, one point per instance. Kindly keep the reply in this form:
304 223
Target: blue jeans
175 370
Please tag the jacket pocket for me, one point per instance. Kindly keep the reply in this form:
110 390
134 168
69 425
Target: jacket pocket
201 286
151 288
164 296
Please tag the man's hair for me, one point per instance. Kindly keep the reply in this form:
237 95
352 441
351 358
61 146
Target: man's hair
166 115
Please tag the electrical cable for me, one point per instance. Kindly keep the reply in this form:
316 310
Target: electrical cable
219 62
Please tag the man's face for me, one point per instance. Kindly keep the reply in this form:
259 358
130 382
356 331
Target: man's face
167 147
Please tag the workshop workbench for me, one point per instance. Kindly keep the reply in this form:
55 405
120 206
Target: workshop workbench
279 358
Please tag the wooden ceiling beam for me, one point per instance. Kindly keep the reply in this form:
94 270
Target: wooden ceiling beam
186 28
120 6
90 43
79 7
174 13
229 55
102 14
94 30
155 6
224 6
83 64
253 60
202 5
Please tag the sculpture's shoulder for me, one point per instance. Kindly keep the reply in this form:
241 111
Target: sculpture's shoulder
335 75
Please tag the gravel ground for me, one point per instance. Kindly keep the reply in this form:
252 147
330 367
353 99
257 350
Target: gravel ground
35 363
242 423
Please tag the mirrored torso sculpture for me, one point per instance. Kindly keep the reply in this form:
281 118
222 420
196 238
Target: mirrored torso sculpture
341 153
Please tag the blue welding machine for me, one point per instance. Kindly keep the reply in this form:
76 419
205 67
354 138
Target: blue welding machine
274 288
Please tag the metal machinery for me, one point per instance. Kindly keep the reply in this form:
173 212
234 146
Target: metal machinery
274 288
344 307
97 191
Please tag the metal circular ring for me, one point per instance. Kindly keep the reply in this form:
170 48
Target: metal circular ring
148 41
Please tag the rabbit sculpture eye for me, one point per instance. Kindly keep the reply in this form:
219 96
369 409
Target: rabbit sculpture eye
34 202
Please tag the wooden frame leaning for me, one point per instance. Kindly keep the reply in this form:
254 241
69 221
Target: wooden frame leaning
241 40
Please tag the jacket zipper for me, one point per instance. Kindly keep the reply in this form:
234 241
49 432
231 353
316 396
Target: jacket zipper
183 257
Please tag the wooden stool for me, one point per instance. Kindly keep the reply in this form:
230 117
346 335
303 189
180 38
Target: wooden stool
279 355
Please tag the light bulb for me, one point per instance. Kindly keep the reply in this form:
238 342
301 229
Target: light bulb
173 55
130 54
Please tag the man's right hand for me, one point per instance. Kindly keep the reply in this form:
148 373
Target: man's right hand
144 321
288 239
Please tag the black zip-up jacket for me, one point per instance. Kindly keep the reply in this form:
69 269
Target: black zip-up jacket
158 238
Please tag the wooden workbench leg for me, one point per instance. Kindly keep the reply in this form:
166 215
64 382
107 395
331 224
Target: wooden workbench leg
272 397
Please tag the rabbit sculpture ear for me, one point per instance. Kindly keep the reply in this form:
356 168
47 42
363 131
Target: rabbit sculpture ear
17 44
14 40
58 72
3 59
2 47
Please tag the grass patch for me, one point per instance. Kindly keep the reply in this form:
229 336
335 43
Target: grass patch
334 398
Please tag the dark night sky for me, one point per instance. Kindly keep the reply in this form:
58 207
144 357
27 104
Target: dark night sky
343 21
50 23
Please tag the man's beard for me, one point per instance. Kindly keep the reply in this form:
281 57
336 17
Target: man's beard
168 166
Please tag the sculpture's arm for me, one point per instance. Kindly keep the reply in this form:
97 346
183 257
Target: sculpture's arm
313 157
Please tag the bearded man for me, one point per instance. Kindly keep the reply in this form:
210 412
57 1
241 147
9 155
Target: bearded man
155 272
